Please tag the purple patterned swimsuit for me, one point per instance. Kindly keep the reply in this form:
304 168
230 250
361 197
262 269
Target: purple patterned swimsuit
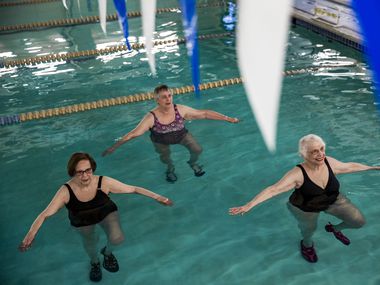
171 133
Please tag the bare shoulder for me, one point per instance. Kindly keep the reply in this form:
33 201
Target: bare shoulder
148 119
108 183
63 194
295 174
295 171
149 115
332 161
181 108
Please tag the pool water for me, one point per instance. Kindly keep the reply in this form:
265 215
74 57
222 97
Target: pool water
195 241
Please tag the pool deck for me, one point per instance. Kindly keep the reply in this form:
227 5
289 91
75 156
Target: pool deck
334 19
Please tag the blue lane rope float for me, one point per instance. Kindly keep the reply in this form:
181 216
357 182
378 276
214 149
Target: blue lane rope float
104 103
9 120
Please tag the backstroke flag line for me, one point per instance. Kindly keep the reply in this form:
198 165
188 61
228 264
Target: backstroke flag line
121 9
189 18
261 50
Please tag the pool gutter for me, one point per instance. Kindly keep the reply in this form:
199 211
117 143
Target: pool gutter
334 19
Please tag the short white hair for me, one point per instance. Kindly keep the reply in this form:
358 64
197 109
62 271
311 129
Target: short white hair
305 141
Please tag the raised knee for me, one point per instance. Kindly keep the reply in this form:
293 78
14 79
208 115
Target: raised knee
117 240
359 222
198 150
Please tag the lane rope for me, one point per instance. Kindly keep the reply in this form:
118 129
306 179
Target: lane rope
88 19
26 2
89 54
105 103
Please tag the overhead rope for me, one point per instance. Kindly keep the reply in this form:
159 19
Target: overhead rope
95 52
104 103
89 19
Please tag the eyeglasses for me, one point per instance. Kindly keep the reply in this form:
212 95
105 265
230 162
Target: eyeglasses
82 172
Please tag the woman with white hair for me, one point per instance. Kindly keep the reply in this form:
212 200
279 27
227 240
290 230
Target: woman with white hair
316 189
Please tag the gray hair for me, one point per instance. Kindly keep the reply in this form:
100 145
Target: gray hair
304 142
158 89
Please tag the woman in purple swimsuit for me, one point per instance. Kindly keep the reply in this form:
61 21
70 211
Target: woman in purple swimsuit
86 198
316 190
166 123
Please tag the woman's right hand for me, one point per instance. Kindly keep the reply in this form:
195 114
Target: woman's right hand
26 243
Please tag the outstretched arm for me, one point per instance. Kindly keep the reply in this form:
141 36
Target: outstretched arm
58 201
288 182
145 124
115 186
339 167
194 114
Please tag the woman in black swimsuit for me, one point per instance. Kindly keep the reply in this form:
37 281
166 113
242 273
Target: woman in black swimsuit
166 123
316 190
85 196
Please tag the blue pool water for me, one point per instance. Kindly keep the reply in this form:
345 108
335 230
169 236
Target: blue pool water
195 241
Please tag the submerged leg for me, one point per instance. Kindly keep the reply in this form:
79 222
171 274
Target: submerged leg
195 150
115 236
350 215
164 151
89 240
307 223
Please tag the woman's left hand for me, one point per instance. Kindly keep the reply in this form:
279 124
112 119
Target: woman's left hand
164 201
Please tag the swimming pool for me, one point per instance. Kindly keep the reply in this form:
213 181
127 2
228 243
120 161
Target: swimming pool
195 241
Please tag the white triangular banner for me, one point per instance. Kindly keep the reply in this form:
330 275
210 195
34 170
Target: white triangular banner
262 34
103 14
148 10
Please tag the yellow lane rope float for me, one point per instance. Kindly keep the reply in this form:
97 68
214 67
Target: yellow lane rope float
104 103
89 19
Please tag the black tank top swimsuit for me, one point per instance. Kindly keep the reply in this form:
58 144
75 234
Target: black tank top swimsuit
312 198
171 133
90 212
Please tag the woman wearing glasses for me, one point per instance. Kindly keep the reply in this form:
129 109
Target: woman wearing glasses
316 190
85 196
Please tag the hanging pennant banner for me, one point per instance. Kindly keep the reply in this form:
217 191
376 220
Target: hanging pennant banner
103 14
148 9
79 8
367 12
189 19
121 9
261 53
